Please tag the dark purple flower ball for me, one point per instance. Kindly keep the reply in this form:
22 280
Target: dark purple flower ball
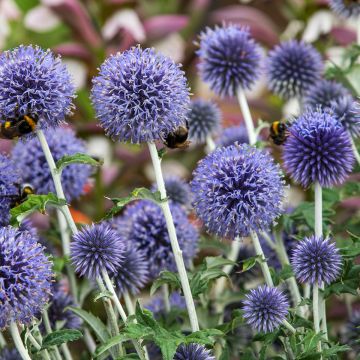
316 260
25 274
140 96
9 187
35 82
145 228
193 352
345 8
292 68
132 274
203 120
318 149
265 308
97 248
237 189
10 354
323 93
233 134
229 59
351 333
34 169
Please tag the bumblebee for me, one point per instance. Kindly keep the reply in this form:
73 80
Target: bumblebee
13 128
278 132
178 139
24 191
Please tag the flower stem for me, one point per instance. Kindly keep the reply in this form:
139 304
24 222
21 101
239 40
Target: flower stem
173 238
316 312
210 144
18 342
165 293
48 329
289 326
2 341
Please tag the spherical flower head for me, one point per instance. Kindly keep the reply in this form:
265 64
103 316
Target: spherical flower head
265 308
25 277
318 149
347 111
229 59
237 189
33 166
345 8
140 96
9 187
157 304
97 248
233 134
351 334
132 275
10 354
316 260
203 120
193 352
145 228
178 191
323 93
35 82
292 68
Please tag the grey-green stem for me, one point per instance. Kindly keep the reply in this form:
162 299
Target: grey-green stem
18 342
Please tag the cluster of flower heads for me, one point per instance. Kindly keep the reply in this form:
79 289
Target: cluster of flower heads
229 59
237 189
140 96
345 8
232 135
35 82
34 169
318 149
25 277
316 260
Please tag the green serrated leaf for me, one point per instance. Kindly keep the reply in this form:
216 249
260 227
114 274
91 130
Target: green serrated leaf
103 294
162 152
250 263
115 340
32 204
60 337
77 158
166 277
217 261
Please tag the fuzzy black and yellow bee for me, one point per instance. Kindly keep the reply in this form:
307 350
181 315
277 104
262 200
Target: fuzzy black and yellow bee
178 139
24 191
13 128
278 132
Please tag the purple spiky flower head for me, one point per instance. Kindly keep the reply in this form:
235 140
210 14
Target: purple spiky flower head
10 354
318 149
203 120
25 277
157 304
132 274
145 228
316 260
345 8
323 92
292 68
9 186
140 96
237 189
96 248
265 308
193 352
347 111
34 169
35 82
233 134
229 59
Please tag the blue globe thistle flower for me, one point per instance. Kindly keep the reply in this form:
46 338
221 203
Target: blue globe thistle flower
345 8
229 59
233 134
140 96
145 228
35 82
193 352
316 260
323 93
347 111
157 304
34 169
318 149
203 120
292 68
132 274
25 277
177 190
351 334
10 354
237 189
265 308
95 248
9 186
